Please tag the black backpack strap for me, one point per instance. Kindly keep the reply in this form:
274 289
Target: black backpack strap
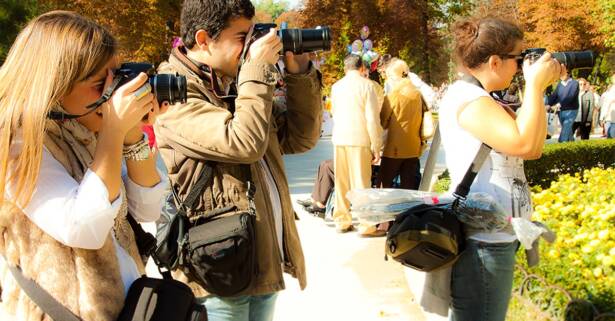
42 298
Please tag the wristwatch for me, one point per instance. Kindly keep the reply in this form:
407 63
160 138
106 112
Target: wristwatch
139 151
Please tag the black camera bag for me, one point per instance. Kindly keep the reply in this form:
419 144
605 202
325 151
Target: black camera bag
430 237
217 249
170 229
152 299
221 253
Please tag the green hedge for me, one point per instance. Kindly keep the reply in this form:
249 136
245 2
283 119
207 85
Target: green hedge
558 159
569 158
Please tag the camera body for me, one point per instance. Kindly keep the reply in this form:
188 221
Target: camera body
166 87
297 41
571 59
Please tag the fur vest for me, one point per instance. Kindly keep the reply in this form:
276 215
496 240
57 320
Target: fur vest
87 282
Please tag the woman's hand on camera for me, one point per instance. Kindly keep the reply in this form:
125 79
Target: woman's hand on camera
266 49
135 134
125 110
542 73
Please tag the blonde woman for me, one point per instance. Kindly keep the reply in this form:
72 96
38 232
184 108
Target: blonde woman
63 217
401 114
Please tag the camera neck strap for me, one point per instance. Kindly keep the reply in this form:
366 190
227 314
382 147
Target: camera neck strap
203 71
58 115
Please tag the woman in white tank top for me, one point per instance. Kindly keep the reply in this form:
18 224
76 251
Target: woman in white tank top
489 50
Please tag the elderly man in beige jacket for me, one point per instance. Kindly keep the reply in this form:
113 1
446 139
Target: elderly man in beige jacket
357 136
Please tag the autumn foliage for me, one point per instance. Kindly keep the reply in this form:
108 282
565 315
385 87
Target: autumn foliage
144 28
417 31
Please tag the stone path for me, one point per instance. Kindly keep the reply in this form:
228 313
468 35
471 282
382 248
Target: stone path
348 278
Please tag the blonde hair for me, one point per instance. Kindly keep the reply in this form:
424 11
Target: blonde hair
50 55
397 69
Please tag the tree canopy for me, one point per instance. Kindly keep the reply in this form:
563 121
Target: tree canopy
417 31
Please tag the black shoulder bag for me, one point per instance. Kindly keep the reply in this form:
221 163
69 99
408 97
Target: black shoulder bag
431 237
217 249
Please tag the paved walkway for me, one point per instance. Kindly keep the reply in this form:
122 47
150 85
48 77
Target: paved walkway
348 278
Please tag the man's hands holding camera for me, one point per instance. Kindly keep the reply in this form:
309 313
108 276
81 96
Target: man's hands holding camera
267 50
296 64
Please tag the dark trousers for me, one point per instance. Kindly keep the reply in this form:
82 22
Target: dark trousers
404 167
325 180
584 128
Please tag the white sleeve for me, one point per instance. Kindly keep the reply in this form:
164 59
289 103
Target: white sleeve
75 214
372 116
145 203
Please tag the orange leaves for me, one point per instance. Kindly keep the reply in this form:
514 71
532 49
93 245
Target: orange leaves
562 24
144 28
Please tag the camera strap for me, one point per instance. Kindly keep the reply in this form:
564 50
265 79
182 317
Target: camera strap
203 71
58 115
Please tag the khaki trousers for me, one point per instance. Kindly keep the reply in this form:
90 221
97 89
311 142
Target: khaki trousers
353 169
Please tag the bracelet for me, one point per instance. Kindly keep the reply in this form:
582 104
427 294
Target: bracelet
139 151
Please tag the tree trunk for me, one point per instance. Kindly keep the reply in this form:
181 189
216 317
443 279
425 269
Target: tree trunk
425 34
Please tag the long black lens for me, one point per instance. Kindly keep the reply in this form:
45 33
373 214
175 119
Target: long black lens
171 88
576 59
300 41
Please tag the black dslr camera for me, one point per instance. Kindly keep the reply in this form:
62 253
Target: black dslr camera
297 41
166 87
571 59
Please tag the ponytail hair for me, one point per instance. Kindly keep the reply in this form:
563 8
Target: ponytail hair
478 39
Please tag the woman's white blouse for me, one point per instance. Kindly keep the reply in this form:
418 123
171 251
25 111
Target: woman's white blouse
80 215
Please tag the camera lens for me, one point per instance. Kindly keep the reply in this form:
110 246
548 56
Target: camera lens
171 88
575 59
300 41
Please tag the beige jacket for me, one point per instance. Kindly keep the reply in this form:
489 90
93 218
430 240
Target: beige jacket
402 113
355 104
203 129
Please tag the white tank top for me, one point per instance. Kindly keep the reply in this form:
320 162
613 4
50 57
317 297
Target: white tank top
500 176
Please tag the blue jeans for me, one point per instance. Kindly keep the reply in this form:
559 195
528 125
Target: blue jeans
481 281
610 133
242 308
566 118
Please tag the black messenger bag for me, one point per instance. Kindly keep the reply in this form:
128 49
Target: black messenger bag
431 237
216 249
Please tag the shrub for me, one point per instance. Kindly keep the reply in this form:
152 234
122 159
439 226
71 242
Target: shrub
560 158
582 212
569 158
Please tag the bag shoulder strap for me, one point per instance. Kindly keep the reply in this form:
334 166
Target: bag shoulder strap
42 298
197 189
462 190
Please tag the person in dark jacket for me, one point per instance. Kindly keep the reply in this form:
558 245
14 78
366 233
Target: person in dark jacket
565 98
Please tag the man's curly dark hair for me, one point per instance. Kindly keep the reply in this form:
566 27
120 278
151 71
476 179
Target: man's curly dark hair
212 16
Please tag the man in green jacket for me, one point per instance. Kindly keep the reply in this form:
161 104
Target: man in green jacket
230 119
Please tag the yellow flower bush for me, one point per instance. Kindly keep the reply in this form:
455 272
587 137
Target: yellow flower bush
581 210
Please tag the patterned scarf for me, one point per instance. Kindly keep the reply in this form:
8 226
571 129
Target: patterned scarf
74 146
